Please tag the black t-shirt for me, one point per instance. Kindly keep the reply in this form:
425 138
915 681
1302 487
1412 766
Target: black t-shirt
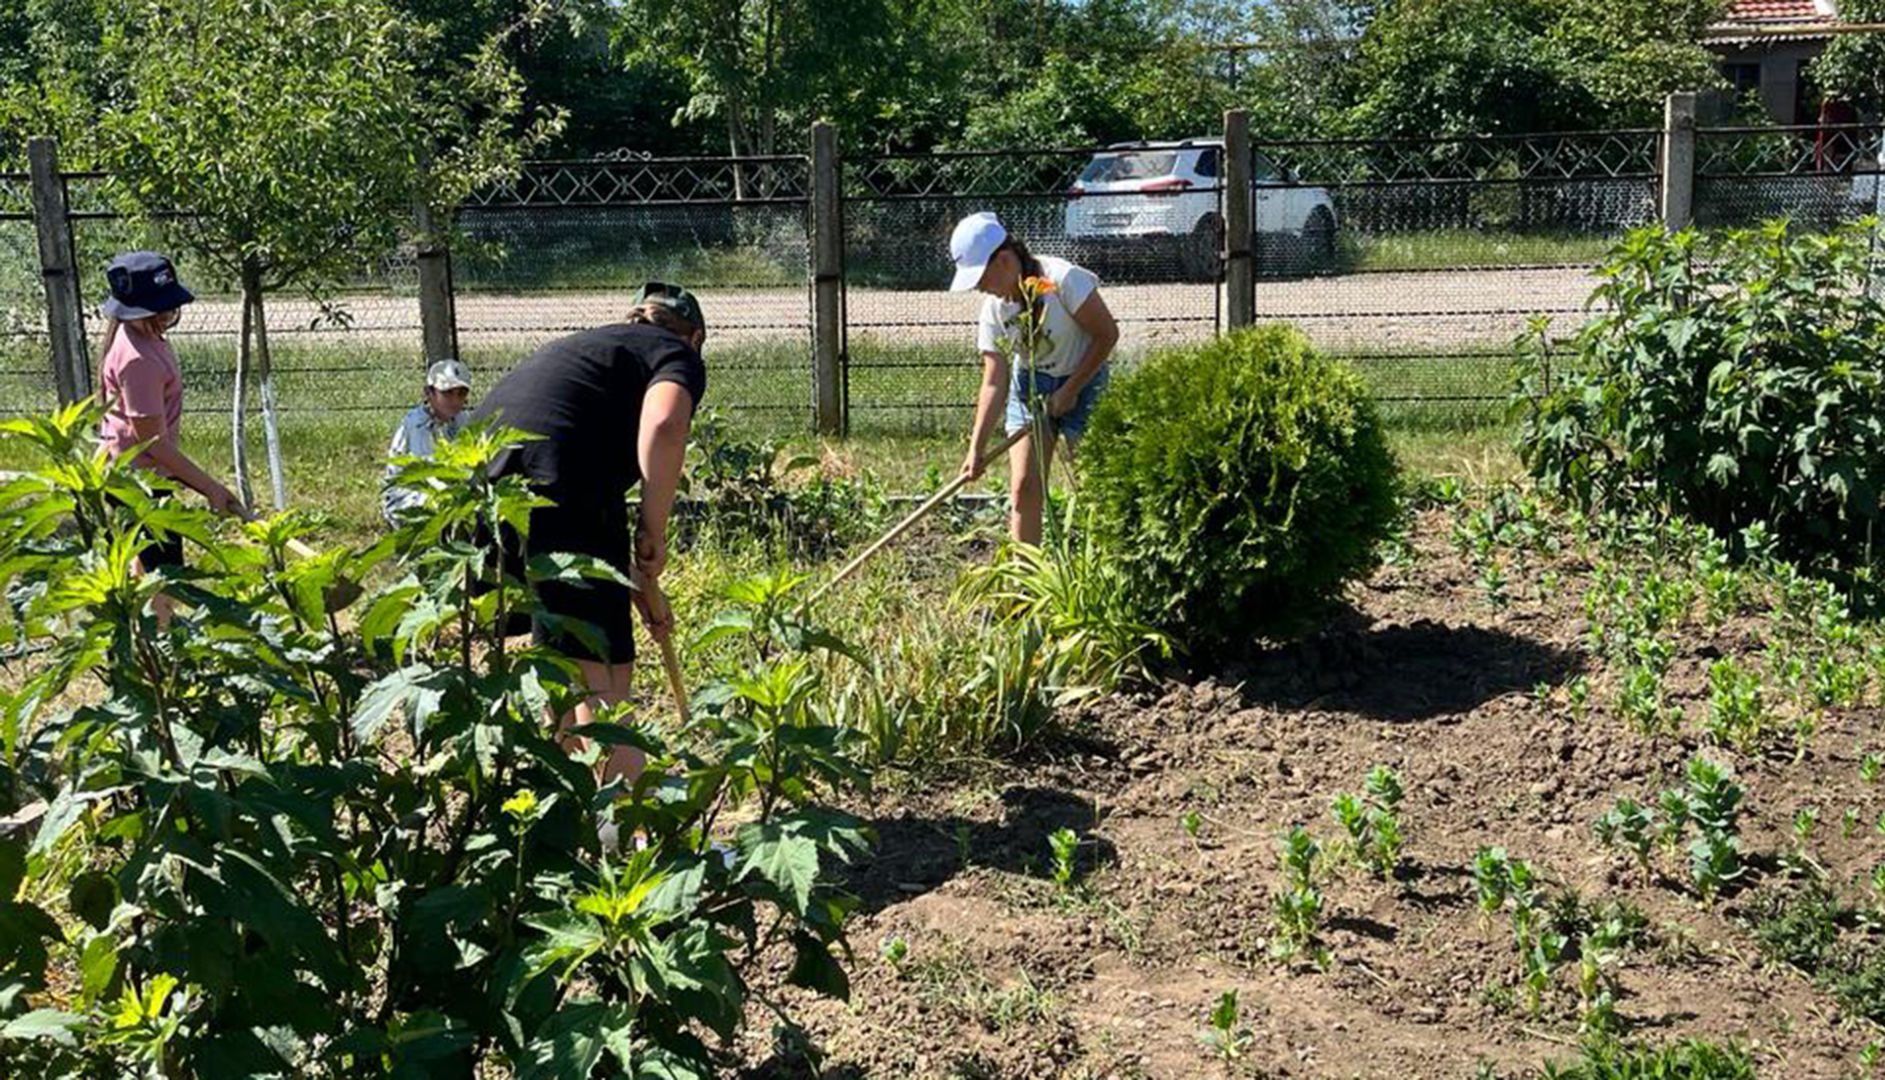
583 394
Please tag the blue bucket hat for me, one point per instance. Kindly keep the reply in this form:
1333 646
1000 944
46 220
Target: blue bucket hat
143 283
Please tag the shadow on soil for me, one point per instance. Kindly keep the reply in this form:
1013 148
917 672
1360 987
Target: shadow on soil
916 854
1395 672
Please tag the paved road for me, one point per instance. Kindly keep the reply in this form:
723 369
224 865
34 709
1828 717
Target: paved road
1422 311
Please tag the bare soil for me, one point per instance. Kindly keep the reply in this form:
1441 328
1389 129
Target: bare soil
1008 975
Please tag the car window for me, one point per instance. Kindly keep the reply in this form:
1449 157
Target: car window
1262 169
1207 164
1107 168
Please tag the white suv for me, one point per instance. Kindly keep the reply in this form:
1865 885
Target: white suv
1154 193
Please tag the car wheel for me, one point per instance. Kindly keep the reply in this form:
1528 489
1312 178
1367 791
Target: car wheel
1200 257
1318 235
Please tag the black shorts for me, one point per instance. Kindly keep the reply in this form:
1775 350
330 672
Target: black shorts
608 608
158 551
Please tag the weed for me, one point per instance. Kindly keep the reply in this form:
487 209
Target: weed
1498 996
1193 824
1299 903
1611 1059
1226 1037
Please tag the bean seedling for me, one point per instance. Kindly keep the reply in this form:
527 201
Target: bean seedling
1193 823
1063 843
1226 1037
895 951
1871 767
1849 823
1631 826
1299 903
1737 716
1598 951
1373 821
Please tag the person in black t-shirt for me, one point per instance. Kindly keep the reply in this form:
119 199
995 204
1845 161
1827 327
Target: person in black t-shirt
613 407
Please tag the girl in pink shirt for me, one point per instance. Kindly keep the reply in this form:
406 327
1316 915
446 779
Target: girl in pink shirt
142 389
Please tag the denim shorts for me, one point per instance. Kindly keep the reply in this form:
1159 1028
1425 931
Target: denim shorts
1072 425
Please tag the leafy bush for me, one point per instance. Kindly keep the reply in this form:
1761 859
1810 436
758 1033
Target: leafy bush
1735 378
1240 483
749 489
283 843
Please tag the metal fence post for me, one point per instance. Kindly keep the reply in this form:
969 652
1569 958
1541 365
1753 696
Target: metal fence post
1239 273
827 268
65 320
1678 161
438 310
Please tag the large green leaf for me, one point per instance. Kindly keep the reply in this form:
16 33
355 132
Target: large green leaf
571 1044
49 1024
778 852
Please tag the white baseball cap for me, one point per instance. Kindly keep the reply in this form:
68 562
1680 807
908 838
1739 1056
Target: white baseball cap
446 375
975 241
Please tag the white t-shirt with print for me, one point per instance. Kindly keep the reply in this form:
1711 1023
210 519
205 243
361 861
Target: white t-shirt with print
1073 286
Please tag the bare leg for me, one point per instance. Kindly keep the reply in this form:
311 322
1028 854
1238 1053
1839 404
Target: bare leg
608 684
1027 488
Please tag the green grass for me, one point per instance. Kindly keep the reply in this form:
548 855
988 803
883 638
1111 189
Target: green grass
1444 248
510 269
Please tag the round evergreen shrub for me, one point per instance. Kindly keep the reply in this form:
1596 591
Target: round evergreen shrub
1241 483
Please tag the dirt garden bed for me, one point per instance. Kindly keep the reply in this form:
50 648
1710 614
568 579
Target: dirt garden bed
971 962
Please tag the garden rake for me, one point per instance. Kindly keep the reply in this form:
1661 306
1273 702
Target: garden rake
928 505
670 660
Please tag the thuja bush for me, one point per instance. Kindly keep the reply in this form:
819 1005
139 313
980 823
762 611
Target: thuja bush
1736 378
286 840
1242 483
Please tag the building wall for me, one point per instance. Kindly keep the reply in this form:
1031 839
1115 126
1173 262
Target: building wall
1780 76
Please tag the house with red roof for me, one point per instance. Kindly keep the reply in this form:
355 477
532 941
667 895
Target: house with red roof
1767 48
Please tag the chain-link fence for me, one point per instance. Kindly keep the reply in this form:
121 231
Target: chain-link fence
1147 220
1817 177
1428 258
1420 260
565 247
25 380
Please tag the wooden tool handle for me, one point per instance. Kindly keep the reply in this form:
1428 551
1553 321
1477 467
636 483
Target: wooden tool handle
948 491
670 660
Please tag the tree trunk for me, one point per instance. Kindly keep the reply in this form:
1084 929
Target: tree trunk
239 406
271 430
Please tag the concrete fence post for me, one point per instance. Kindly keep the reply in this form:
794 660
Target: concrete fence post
1678 161
58 267
1240 283
827 282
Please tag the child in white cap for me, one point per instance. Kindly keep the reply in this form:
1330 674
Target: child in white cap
439 416
1065 382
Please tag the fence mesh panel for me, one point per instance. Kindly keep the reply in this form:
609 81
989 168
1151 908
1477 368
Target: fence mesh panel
25 375
1420 260
565 246
1818 177
345 361
910 344
1442 251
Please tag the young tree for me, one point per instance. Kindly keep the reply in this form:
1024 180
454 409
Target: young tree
1852 69
296 135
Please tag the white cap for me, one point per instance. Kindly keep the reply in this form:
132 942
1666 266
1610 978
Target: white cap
448 375
975 241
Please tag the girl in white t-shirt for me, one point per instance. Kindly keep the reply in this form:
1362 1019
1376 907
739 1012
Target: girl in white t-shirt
1067 375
